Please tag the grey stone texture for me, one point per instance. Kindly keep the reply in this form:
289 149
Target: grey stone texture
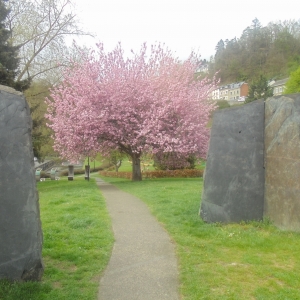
87 172
70 172
282 160
234 176
20 226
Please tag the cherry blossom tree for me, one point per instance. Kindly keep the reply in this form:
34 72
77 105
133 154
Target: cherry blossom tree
148 103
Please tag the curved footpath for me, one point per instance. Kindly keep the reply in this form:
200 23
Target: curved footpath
143 264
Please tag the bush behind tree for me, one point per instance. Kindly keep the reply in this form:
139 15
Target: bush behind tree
173 161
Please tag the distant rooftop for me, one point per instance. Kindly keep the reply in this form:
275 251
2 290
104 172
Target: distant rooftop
234 85
279 82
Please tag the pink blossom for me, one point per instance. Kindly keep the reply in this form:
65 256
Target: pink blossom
150 103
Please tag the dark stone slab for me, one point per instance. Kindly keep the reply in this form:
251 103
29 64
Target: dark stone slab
20 227
71 172
282 160
234 176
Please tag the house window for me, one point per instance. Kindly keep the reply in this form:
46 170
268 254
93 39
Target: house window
280 89
276 90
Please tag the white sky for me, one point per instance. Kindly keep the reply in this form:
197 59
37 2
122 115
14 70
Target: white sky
183 25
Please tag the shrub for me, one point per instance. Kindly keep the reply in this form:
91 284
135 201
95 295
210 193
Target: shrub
223 104
173 173
156 174
45 175
173 161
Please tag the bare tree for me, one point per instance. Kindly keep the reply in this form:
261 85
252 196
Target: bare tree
39 28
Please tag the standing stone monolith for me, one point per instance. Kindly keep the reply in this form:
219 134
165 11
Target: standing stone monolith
20 226
282 160
70 172
234 177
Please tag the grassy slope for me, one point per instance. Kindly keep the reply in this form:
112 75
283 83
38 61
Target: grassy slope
237 261
77 243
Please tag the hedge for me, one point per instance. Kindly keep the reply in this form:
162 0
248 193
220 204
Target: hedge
156 174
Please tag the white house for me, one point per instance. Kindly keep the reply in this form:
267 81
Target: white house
278 86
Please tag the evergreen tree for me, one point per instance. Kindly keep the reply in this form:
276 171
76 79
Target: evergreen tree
273 51
9 61
219 48
259 89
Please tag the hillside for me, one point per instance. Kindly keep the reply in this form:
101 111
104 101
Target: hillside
272 51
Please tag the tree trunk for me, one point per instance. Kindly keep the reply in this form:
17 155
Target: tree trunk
118 165
136 168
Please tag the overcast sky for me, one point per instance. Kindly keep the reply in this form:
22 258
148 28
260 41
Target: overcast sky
183 25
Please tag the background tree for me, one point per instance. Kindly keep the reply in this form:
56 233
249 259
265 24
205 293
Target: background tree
273 51
144 104
293 84
259 89
116 158
35 96
39 29
9 61
41 134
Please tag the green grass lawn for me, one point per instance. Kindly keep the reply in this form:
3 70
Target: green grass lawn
77 243
126 165
238 261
